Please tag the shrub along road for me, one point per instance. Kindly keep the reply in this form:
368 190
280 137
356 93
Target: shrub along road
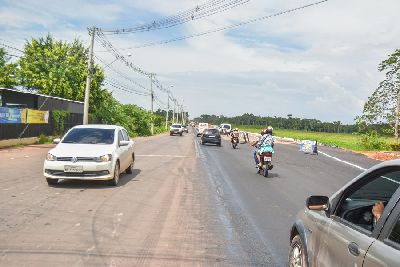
184 205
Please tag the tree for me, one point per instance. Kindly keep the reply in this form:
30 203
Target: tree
383 106
7 71
59 68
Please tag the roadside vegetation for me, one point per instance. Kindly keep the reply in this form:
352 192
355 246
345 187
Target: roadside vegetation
59 68
357 142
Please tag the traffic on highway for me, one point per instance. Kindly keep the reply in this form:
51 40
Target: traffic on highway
200 133
288 218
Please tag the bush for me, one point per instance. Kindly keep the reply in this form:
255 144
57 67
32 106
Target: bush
59 117
372 141
43 139
395 146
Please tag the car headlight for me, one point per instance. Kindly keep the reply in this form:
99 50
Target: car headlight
51 157
105 158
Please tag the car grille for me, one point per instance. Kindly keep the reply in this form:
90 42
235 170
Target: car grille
86 159
79 174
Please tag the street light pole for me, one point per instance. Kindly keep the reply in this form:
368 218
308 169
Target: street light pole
92 32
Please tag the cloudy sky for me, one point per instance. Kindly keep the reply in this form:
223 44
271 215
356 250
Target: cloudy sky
319 62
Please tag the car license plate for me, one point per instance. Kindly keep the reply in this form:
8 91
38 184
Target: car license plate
267 159
73 168
211 136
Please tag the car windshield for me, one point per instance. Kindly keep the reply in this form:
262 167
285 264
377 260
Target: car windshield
176 126
211 131
89 136
226 127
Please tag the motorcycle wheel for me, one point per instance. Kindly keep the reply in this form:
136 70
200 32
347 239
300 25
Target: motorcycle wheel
234 145
265 171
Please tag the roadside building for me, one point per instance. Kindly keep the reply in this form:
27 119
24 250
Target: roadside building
28 114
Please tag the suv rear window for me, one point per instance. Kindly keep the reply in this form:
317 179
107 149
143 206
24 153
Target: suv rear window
211 131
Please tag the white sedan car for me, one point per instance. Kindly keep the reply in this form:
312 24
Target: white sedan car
90 152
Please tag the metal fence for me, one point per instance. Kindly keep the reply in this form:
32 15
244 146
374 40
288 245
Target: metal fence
14 130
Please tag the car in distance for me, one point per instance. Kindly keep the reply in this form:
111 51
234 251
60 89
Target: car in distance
185 129
201 127
225 128
358 226
211 136
176 129
90 152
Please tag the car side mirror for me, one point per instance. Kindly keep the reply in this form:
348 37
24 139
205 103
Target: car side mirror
123 143
318 203
56 140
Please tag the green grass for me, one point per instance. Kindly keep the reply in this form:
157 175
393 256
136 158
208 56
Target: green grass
347 141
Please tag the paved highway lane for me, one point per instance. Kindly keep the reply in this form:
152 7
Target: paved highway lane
184 205
270 204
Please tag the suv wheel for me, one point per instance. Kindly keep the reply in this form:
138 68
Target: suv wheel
297 257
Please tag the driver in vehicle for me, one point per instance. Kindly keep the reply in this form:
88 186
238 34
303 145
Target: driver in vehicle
377 211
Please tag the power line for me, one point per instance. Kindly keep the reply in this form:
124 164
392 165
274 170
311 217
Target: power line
124 88
201 11
120 73
100 37
112 50
116 82
224 28
11 47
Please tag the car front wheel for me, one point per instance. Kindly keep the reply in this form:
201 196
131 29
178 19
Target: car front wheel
115 179
51 181
297 256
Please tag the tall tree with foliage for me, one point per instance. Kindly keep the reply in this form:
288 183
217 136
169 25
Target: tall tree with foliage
7 71
383 106
59 68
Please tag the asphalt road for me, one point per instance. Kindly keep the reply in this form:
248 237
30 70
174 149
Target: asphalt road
185 205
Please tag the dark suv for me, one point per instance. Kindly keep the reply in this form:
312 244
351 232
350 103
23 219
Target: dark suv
211 136
358 226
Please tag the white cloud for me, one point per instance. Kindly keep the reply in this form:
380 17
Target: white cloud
325 56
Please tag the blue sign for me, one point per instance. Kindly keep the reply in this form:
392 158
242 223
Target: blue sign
12 115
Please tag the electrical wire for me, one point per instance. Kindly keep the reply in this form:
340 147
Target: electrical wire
224 28
105 65
201 11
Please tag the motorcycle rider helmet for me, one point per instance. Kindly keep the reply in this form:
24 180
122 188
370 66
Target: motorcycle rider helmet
236 129
263 131
269 130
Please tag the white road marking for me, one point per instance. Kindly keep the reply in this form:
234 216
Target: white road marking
354 165
164 156
343 161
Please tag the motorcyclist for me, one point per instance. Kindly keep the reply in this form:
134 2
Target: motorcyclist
264 144
234 133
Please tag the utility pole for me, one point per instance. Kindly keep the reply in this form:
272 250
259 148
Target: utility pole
173 113
92 32
396 126
166 117
183 118
152 100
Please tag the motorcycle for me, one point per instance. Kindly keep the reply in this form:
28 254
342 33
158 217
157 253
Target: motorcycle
266 164
235 140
